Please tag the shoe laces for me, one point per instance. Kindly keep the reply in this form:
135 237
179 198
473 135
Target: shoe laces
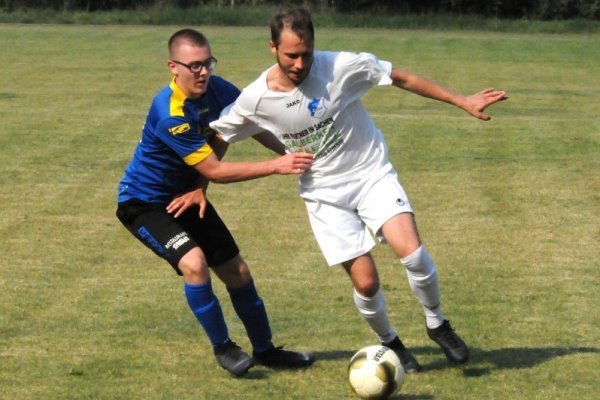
277 350
448 334
227 346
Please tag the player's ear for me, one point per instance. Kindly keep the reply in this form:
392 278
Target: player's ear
172 67
273 47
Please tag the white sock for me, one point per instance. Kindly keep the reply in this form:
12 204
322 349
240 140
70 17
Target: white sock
422 278
374 311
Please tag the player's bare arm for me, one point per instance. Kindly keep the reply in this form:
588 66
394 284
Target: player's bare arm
181 203
474 104
221 172
219 146
224 172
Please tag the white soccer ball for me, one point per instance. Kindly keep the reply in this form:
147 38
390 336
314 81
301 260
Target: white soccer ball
375 372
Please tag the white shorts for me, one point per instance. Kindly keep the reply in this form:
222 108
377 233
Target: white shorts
345 216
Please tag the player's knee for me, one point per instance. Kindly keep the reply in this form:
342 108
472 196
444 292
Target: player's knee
367 286
193 267
234 273
419 263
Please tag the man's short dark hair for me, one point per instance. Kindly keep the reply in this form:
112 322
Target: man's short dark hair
298 20
187 35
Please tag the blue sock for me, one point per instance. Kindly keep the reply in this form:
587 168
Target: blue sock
205 306
251 310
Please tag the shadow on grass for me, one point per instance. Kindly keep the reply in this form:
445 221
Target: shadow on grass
408 396
482 362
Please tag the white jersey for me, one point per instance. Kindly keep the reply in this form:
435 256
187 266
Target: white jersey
323 116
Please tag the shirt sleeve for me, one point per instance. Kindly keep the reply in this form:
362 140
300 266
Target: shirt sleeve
235 123
181 137
359 72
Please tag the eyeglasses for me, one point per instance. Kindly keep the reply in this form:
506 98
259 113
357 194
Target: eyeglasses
196 67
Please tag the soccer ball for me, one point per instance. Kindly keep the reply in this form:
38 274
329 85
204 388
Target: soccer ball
375 372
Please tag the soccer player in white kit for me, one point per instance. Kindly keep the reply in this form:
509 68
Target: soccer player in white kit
310 101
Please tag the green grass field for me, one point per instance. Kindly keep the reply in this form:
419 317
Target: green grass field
509 210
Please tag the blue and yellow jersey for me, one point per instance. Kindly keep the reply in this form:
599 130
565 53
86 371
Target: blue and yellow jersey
174 138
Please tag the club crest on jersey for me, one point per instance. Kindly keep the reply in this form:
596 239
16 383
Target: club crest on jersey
316 107
176 130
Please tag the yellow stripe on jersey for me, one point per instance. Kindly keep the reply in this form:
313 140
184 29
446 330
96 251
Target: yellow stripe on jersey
176 101
198 155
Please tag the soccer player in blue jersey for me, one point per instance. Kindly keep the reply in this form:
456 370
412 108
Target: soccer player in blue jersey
162 202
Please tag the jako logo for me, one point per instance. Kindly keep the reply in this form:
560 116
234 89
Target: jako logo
400 202
292 104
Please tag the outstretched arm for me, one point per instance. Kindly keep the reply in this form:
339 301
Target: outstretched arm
212 169
474 104
224 172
